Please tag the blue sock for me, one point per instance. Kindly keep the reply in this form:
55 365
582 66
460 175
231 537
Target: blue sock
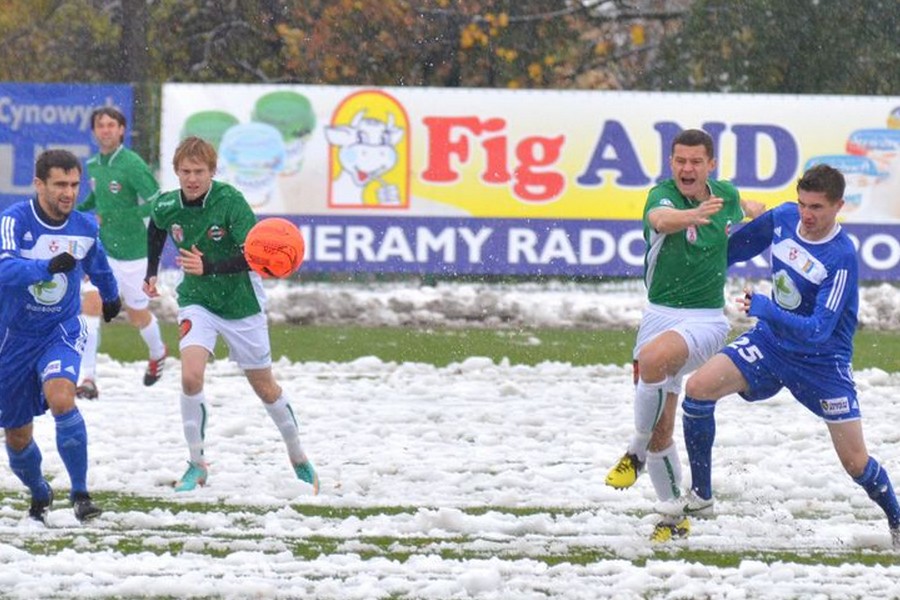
877 483
71 442
26 465
699 422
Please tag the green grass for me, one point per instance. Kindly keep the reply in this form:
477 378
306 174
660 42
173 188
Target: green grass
169 538
444 346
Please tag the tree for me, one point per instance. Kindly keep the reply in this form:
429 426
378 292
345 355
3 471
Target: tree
809 46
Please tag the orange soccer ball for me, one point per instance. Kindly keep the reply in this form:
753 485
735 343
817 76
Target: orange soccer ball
274 248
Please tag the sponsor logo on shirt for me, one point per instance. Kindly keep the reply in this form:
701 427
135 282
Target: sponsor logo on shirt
785 290
215 233
115 187
666 202
54 366
835 406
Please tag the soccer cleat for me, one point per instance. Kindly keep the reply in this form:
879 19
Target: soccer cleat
669 529
306 472
895 537
155 368
625 473
87 390
41 508
195 475
85 509
689 504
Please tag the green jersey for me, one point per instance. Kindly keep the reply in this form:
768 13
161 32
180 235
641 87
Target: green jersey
217 227
122 188
686 269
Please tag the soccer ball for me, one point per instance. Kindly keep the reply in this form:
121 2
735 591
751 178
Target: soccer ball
274 248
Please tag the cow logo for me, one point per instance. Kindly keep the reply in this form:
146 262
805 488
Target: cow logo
370 146
177 233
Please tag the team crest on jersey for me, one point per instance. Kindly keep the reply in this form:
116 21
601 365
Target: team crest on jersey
115 187
53 246
691 234
785 290
177 233
728 225
215 233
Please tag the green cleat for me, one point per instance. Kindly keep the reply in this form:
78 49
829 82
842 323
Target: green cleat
195 475
306 472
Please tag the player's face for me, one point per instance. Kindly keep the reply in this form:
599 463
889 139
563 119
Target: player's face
690 169
817 214
58 194
108 133
194 177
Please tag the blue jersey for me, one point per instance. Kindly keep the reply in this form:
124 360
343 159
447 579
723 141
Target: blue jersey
36 301
815 291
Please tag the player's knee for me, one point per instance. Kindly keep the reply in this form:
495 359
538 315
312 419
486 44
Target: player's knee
191 383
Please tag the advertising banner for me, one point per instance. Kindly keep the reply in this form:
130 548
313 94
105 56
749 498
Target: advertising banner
407 179
37 116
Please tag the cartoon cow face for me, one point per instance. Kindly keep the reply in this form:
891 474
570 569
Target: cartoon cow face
366 150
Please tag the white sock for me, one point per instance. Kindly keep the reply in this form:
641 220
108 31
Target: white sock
193 419
649 401
283 415
153 338
89 356
664 469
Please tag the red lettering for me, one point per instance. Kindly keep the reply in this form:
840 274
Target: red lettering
538 185
441 144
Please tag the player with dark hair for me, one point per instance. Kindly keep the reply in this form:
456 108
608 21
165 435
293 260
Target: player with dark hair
122 189
687 221
208 221
803 340
45 250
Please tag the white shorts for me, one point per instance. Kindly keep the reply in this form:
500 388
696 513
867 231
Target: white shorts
704 331
247 339
130 277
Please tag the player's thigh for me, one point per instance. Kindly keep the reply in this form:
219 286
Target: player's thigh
718 377
20 384
248 341
130 278
758 361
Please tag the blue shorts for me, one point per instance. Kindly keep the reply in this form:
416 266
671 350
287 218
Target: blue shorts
823 384
26 362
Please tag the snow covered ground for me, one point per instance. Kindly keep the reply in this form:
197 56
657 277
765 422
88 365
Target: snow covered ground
488 476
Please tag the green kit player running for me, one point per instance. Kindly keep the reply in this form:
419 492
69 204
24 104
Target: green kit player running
208 222
122 189
687 220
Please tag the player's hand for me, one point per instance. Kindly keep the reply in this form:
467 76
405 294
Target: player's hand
744 302
149 287
707 208
190 261
111 309
752 208
61 263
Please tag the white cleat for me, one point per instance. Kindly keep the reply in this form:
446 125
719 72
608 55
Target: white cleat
688 505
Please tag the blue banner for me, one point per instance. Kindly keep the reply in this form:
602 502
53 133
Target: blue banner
532 247
38 116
